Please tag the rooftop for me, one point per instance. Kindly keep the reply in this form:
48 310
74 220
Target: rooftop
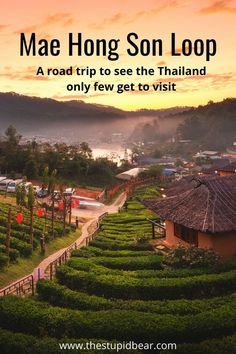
127 175
229 168
206 203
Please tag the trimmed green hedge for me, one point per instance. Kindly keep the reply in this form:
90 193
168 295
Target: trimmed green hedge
107 245
24 248
125 263
3 261
60 295
19 343
111 286
13 254
97 252
80 260
225 345
28 316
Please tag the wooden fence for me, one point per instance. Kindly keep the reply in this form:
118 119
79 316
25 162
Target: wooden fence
26 285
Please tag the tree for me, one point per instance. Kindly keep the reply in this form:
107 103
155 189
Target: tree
31 168
85 150
21 195
51 189
13 137
152 171
31 201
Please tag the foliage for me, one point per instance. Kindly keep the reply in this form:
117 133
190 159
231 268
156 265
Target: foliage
123 287
72 164
152 171
36 318
3 261
180 256
59 295
118 289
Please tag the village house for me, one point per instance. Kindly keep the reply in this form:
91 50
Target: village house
200 211
227 170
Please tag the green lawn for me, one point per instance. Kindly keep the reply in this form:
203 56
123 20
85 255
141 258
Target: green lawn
25 266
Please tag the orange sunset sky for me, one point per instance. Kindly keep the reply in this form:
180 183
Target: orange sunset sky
108 19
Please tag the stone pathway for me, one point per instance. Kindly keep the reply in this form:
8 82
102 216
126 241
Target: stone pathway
113 208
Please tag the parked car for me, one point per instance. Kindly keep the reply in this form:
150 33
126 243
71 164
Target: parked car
36 189
2 178
4 183
11 187
42 193
69 192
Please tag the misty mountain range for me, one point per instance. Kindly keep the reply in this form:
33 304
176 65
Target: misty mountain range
48 117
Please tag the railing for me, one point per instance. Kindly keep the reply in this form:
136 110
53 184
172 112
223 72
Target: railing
23 287
26 285
50 271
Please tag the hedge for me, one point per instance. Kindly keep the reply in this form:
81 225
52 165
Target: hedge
125 263
3 261
60 295
28 316
86 264
94 252
225 345
24 248
106 245
13 254
19 343
112 286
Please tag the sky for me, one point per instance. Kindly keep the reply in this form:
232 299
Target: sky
105 19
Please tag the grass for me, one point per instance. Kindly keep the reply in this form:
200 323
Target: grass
6 198
25 266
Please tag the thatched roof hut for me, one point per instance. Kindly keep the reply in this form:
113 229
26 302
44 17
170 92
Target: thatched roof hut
206 204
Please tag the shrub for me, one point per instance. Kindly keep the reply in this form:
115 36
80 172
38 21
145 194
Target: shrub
3 261
112 286
28 316
225 345
94 251
60 295
13 254
180 256
125 263
19 343
106 245
24 248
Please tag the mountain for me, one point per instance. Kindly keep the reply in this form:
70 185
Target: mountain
34 115
212 126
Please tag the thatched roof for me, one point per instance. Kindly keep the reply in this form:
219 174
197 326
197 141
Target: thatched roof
206 203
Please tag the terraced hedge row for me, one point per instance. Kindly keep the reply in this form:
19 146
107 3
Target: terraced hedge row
59 295
11 343
150 288
117 289
32 317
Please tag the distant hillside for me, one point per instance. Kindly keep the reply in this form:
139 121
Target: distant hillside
26 110
34 115
211 126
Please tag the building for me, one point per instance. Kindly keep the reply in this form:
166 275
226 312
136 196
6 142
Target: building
227 170
200 211
130 174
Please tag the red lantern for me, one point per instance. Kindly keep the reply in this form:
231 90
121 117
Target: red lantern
61 205
72 205
77 202
40 212
19 218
